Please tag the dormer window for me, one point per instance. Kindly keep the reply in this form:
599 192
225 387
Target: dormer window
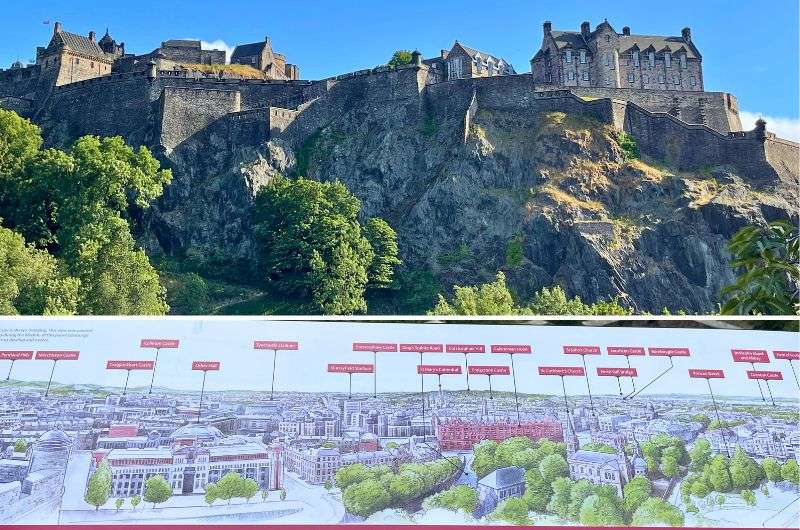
569 56
682 58
652 58
668 60
583 56
635 58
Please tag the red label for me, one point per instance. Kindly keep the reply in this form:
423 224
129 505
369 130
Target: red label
57 355
159 343
422 348
765 374
617 372
582 350
205 365
466 348
625 350
511 348
350 368
561 370
706 374
750 356
374 346
439 369
787 355
16 355
275 345
669 352
489 370
129 365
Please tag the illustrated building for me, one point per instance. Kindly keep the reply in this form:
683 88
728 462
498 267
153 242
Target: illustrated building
457 434
260 56
319 465
499 485
69 57
605 58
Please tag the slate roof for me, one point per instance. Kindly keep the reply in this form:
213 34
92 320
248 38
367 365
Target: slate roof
592 457
472 52
247 50
76 43
504 477
673 44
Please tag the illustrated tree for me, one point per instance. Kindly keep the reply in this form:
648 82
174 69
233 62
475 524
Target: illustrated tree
562 495
365 498
700 454
283 495
538 491
249 488
136 500
328 485
456 498
400 58
700 489
508 448
119 502
553 467
718 475
212 493
749 497
264 494
157 490
772 469
229 486
512 510
20 446
790 472
657 512
635 493
745 472
769 281
603 508
99 486
404 487
581 490
351 474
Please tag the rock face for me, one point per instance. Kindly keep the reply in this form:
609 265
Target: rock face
464 189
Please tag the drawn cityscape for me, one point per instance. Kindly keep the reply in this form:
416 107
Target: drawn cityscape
607 449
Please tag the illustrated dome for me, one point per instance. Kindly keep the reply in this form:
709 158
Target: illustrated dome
197 430
55 440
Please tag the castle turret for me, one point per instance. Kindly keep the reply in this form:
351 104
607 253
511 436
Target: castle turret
626 31
416 58
686 33
586 29
547 27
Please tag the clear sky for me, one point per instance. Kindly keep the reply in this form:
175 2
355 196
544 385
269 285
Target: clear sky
749 48
231 343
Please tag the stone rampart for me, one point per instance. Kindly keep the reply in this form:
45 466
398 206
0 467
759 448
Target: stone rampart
185 112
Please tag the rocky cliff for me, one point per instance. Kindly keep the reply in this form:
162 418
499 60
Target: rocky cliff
546 196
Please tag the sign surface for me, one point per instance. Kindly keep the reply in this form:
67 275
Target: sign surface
767 375
205 365
422 348
130 365
12 355
351 368
582 350
787 355
706 374
275 345
159 343
489 370
374 346
750 356
439 369
617 372
668 352
625 350
52 355
511 348
561 370
466 348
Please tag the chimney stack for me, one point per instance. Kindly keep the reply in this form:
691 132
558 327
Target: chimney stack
686 33
626 31
57 28
585 28
91 36
547 27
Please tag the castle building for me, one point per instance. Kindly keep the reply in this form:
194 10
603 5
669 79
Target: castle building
463 62
69 57
260 56
605 58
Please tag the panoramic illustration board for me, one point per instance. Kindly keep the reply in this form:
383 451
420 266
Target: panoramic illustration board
267 422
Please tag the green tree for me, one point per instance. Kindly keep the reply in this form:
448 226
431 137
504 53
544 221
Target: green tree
720 500
745 472
700 489
400 58
772 469
553 467
119 502
20 140
456 498
769 282
657 512
32 282
508 448
187 293
383 240
404 487
537 491
265 493
582 490
635 493
157 490
230 486
365 498
212 493
749 497
492 298
789 471
283 494
249 488
717 474
700 454
512 510
602 509
99 486
20 446
483 462
136 500
562 495
351 474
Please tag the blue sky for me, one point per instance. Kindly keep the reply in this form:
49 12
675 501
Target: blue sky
749 48
230 341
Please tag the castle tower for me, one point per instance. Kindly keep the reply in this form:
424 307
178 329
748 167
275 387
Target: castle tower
625 467
50 451
605 44
570 438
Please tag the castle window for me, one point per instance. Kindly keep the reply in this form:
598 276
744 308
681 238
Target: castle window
91 65
682 58
607 58
631 78
693 80
583 56
668 60
645 78
77 61
569 56
585 76
652 58
635 57
661 79
571 76
675 80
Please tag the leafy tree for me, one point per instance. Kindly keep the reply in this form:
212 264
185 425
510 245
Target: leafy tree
700 489
527 459
456 498
749 497
635 493
772 469
745 472
700 454
770 279
249 488
20 140
20 446
488 299
383 240
581 491
669 466
119 502
283 494
602 509
265 493
157 490
508 448
717 474
400 58
212 493
512 510
537 491
351 474
790 472
99 486
554 301
136 500
562 495
599 447
553 467
365 498
230 486
404 487
311 245
657 512
187 293
720 500
32 282
483 462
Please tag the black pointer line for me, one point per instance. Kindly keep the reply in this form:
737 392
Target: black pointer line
466 365
659 376
422 393
716 411
272 388
796 382
516 399
619 384
766 382
633 382
588 386
350 387
153 376
566 403
490 388
758 382
425 443
375 374
202 389
8 377
125 389
47 391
